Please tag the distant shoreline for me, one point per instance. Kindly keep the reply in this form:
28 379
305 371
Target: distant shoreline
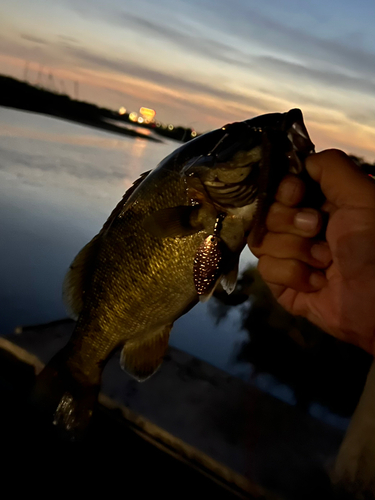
102 125
24 96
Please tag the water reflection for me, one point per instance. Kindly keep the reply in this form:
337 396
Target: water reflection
139 147
290 357
140 130
58 183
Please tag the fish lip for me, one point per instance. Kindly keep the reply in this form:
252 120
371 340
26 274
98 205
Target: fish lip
297 132
298 136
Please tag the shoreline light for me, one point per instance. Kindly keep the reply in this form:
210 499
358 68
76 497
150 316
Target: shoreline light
147 113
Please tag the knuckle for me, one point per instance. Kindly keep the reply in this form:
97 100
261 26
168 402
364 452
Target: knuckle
336 155
274 209
297 275
278 215
296 267
265 267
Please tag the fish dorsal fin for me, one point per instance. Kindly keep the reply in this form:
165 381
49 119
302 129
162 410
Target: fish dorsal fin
77 279
120 205
142 358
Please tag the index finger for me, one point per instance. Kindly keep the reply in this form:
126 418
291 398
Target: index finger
290 191
341 181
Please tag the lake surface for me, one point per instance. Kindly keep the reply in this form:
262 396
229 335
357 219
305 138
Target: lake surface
59 181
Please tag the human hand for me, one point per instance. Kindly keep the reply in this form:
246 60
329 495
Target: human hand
330 282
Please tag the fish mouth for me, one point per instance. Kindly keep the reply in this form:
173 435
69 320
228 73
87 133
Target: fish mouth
268 146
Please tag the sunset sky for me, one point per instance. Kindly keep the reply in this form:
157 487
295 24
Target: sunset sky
204 63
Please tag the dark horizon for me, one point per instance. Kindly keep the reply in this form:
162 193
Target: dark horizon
23 95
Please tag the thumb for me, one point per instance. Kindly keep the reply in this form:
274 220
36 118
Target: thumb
341 181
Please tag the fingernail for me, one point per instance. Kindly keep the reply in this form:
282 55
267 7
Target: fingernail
306 221
317 280
322 253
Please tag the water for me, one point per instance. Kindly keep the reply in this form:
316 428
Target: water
58 183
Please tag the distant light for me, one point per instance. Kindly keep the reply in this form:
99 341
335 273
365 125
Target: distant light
147 113
122 110
158 124
193 133
133 116
140 119
170 126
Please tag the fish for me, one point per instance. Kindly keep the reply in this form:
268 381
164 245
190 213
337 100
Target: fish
174 237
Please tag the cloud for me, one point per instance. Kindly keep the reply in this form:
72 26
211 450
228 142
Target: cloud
258 41
160 77
331 78
68 39
34 39
174 29
363 117
255 29
186 37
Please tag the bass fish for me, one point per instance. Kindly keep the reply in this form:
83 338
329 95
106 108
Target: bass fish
176 234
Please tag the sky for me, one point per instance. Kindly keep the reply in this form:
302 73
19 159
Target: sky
205 63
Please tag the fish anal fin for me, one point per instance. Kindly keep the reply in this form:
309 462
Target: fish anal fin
142 358
173 222
78 277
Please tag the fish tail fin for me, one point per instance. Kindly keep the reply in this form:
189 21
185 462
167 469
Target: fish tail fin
62 404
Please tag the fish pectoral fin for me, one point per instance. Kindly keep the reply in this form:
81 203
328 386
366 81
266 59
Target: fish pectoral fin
229 280
173 222
78 277
210 265
142 358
